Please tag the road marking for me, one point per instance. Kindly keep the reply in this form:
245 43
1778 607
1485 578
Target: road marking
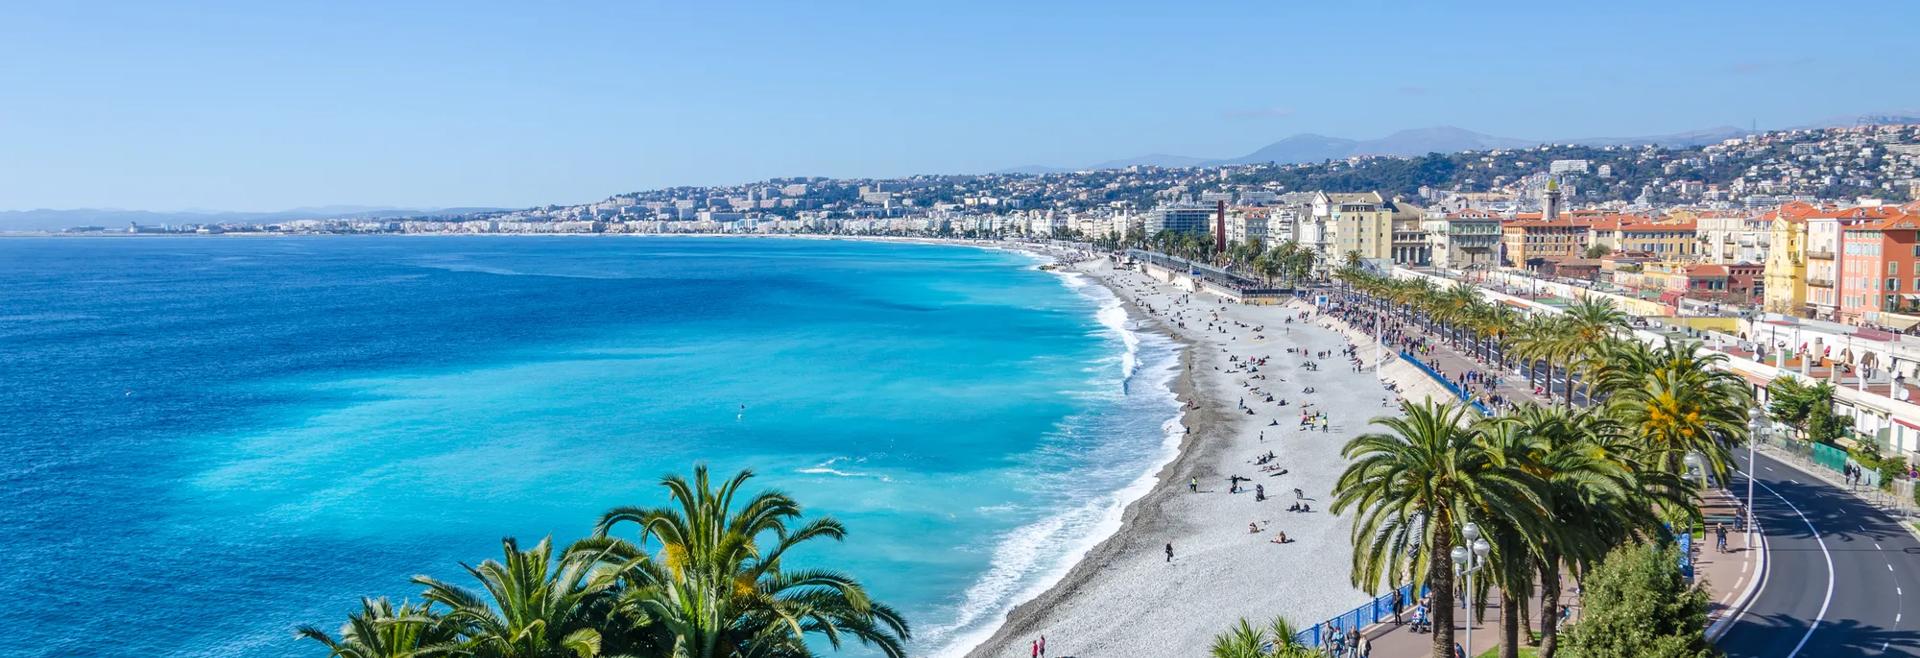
1769 468
1889 568
1828 600
1876 546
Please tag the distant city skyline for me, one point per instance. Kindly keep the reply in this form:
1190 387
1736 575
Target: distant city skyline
245 107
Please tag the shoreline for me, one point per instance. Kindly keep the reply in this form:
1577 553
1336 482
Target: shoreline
1120 597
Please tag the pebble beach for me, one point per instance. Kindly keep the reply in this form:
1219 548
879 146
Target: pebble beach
1126 596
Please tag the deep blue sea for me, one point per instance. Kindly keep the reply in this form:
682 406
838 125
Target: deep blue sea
206 441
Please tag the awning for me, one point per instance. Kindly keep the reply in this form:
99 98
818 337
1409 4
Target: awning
1898 321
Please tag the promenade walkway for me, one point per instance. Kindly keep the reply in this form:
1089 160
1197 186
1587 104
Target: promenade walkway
1728 575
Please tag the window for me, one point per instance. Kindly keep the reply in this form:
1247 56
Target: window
1893 285
1893 268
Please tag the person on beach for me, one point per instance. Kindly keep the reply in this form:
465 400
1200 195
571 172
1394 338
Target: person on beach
1043 646
1034 649
1193 484
1169 551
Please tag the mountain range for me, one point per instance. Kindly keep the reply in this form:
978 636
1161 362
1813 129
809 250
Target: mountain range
1310 147
53 220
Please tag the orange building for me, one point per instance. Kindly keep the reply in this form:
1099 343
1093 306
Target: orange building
1879 268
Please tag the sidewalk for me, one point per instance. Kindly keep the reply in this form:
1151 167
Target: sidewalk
1728 575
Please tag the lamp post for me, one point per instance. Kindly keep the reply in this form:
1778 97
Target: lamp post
1697 462
1756 429
1468 562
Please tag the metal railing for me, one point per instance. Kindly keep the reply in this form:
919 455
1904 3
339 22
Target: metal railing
1368 614
1462 395
1828 462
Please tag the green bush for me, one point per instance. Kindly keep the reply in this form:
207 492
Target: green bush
1636 603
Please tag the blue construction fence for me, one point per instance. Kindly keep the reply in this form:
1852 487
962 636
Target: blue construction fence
1686 555
1462 395
1373 612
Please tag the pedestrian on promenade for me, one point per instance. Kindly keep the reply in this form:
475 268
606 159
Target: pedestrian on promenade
1399 602
1720 537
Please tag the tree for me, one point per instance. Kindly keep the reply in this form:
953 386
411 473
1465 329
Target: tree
1638 604
380 630
714 590
1276 640
1587 468
1412 487
1674 401
530 608
1545 339
1598 251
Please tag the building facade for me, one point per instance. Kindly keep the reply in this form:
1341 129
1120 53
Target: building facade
1879 268
1180 219
1463 240
1531 243
1351 222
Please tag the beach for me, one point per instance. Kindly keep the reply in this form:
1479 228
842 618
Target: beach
1126 596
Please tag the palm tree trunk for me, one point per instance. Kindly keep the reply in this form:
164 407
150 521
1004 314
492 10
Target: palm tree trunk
1509 625
1440 580
1549 602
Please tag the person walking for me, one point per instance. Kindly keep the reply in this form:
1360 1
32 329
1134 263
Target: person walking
1399 602
1720 537
1169 551
1034 649
1193 484
1043 646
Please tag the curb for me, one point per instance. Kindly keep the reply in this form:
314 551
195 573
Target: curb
1724 623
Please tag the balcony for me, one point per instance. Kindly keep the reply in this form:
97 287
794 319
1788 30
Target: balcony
1822 255
1819 283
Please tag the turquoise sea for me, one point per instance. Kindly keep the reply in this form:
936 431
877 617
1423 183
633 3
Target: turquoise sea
206 441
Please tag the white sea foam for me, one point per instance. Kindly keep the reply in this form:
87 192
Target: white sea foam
826 468
1032 558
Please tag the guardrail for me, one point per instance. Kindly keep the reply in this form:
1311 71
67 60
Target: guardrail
1827 460
1372 612
1463 395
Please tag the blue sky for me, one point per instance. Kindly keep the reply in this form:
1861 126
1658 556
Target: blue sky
267 105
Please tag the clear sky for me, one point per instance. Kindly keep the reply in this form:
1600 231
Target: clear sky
271 105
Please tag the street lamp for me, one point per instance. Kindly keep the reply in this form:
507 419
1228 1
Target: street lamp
1697 462
1468 563
1756 429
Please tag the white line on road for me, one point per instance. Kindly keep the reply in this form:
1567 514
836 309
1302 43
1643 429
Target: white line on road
1876 546
1828 600
1889 567
1769 468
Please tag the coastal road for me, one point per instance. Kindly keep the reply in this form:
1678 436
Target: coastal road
1842 578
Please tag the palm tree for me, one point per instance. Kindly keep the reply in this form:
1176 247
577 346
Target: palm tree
717 586
1245 641
1591 322
1597 494
1674 401
532 607
1454 307
1543 339
1412 486
380 630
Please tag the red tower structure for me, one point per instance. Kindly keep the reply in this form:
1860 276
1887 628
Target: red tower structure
1219 226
